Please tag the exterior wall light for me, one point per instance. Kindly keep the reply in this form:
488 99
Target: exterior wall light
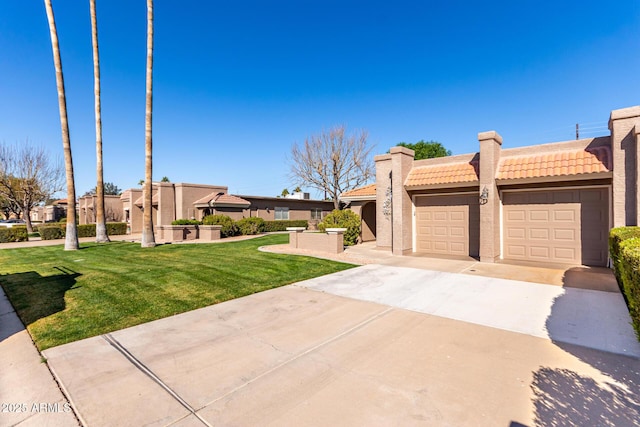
484 196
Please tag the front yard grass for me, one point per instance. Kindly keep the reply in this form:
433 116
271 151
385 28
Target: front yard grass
64 296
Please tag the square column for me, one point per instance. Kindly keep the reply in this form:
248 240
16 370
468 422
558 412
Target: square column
489 199
624 151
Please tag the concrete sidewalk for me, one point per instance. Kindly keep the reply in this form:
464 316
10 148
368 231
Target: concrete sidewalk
28 392
307 354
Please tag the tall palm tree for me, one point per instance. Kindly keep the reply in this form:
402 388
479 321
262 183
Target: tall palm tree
148 239
71 239
101 223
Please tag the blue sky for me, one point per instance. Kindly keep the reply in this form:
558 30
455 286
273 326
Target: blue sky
237 83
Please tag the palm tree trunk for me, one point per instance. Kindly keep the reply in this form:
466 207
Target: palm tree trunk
101 223
71 239
148 239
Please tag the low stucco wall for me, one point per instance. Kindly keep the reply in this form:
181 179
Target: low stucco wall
179 233
325 242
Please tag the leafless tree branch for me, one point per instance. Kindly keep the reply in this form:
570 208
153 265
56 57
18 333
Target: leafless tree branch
333 162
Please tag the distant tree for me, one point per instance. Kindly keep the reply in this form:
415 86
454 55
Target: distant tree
284 193
333 162
8 207
71 235
426 149
110 189
165 179
28 177
148 238
297 189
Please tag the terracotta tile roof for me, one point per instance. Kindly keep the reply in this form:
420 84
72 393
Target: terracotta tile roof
564 163
452 173
222 199
367 190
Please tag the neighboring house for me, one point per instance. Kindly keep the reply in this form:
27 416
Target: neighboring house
50 213
173 201
113 211
549 203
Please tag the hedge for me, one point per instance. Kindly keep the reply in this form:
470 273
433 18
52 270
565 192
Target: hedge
624 246
57 231
343 219
13 234
281 225
251 225
186 222
52 232
229 228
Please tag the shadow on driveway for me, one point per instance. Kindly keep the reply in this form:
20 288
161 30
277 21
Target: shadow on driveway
564 397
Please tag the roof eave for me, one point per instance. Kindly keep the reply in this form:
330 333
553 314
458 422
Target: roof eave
445 185
369 197
556 178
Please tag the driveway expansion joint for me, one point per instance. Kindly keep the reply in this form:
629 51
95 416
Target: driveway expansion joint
113 342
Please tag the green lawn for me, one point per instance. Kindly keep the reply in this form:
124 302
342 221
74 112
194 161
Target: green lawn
64 296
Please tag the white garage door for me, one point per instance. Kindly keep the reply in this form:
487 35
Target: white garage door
447 224
557 226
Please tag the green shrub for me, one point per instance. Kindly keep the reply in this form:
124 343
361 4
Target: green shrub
52 232
616 237
87 230
252 225
186 222
281 225
116 228
229 228
629 265
13 234
343 219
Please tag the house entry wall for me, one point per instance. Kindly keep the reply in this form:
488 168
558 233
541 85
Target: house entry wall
447 224
556 226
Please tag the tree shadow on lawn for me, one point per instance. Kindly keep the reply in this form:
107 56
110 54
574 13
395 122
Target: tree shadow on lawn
565 397
34 296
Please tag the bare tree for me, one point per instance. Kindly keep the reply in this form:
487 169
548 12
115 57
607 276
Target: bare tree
148 239
71 237
333 162
28 177
101 222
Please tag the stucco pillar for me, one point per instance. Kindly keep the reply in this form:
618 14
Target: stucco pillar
383 201
166 203
402 206
623 124
490 146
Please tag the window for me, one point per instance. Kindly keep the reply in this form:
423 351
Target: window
281 213
316 213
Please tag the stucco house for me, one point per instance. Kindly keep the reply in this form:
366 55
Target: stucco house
87 209
549 203
173 201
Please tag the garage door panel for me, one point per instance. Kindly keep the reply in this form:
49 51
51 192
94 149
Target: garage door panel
539 215
564 226
567 254
564 215
539 252
457 216
564 234
454 223
538 233
439 216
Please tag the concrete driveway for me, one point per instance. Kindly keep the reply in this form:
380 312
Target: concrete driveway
375 345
